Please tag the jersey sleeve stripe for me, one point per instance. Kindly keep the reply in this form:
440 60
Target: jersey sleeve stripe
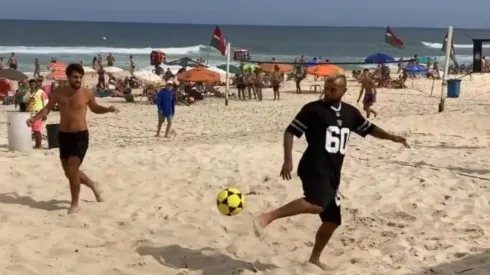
361 129
296 127
298 124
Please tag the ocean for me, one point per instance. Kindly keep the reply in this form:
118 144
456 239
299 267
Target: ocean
81 41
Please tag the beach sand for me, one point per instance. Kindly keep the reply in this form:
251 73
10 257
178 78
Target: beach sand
407 211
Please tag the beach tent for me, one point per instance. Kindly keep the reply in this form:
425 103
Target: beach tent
184 62
379 58
415 69
425 59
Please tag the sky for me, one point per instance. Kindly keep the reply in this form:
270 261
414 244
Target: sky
397 13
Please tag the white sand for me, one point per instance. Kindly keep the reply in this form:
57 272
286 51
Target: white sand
406 210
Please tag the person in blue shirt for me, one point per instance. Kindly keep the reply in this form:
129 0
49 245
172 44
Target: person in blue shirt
166 107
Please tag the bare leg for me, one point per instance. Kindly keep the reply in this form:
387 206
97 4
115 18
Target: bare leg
322 237
159 128
373 112
254 92
296 207
38 137
85 180
278 94
249 92
169 125
71 167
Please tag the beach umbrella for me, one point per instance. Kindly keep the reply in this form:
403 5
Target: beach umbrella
199 74
425 59
13 75
325 70
379 58
147 76
57 66
415 69
112 70
283 68
250 67
56 75
234 69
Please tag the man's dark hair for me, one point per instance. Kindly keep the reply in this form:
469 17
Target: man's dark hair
32 81
365 70
74 67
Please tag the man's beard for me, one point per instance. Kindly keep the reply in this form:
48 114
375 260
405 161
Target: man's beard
76 85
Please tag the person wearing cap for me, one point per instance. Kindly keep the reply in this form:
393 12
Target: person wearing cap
166 107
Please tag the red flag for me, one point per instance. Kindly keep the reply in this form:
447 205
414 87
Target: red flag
218 41
392 39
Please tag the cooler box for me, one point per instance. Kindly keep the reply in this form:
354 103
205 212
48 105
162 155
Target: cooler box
453 88
53 130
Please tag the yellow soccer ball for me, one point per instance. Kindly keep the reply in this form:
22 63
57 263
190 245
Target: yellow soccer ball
230 201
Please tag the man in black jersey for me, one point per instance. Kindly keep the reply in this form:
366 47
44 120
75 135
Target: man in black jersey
327 124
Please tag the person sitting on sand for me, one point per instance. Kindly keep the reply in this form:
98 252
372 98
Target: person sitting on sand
327 124
166 107
369 86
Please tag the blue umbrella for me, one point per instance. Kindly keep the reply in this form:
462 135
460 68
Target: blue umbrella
415 69
379 58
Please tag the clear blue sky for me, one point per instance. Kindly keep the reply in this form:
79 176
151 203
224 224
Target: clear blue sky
410 13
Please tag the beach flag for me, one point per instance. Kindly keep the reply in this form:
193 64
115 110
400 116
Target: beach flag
452 54
392 39
218 41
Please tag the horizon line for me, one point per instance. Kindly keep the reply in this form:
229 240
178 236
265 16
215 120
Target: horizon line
232 25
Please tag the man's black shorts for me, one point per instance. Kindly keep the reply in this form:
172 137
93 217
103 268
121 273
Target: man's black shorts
318 190
73 144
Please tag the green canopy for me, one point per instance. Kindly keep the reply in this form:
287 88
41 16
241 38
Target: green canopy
233 68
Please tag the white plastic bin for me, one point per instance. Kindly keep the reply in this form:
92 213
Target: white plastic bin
19 134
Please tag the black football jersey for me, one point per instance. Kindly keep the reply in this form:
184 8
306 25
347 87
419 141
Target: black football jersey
327 129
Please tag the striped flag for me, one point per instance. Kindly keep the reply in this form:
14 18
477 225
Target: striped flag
392 39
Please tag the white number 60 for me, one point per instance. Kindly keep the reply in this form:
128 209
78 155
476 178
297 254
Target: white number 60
336 139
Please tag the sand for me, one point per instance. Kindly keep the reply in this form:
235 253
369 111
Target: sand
407 211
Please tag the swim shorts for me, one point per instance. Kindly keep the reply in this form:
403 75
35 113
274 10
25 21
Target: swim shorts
369 99
162 118
73 144
37 125
318 190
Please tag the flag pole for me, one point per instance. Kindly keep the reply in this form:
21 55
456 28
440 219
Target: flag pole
449 43
227 85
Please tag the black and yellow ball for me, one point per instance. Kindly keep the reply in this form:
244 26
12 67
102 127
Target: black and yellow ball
230 201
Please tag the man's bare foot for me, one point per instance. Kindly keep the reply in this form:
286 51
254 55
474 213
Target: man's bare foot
157 135
73 209
260 223
97 192
321 265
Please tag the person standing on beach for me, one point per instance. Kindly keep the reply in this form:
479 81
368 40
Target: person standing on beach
276 82
166 107
110 60
37 69
250 79
241 84
36 100
1 63
327 124
259 82
12 62
368 85
73 137
131 65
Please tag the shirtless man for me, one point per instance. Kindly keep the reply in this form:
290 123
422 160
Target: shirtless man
259 82
73 135
370 95
250 79
276 81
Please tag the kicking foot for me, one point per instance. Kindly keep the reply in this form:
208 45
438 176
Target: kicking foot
97 192
73 209
321 265
259 226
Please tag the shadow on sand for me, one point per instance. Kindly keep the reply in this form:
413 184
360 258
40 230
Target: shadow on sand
51 205
209 260
477 264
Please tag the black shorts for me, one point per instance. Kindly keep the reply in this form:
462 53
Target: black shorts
318 190
73 144
275 88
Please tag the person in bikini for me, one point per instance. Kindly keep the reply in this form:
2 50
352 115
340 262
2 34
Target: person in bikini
368 85
73 137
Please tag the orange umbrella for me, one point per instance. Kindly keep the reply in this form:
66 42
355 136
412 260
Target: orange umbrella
324 70
199 74
57 75
57 66
283 68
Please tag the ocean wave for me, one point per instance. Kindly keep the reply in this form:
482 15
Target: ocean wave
456 46
96 50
